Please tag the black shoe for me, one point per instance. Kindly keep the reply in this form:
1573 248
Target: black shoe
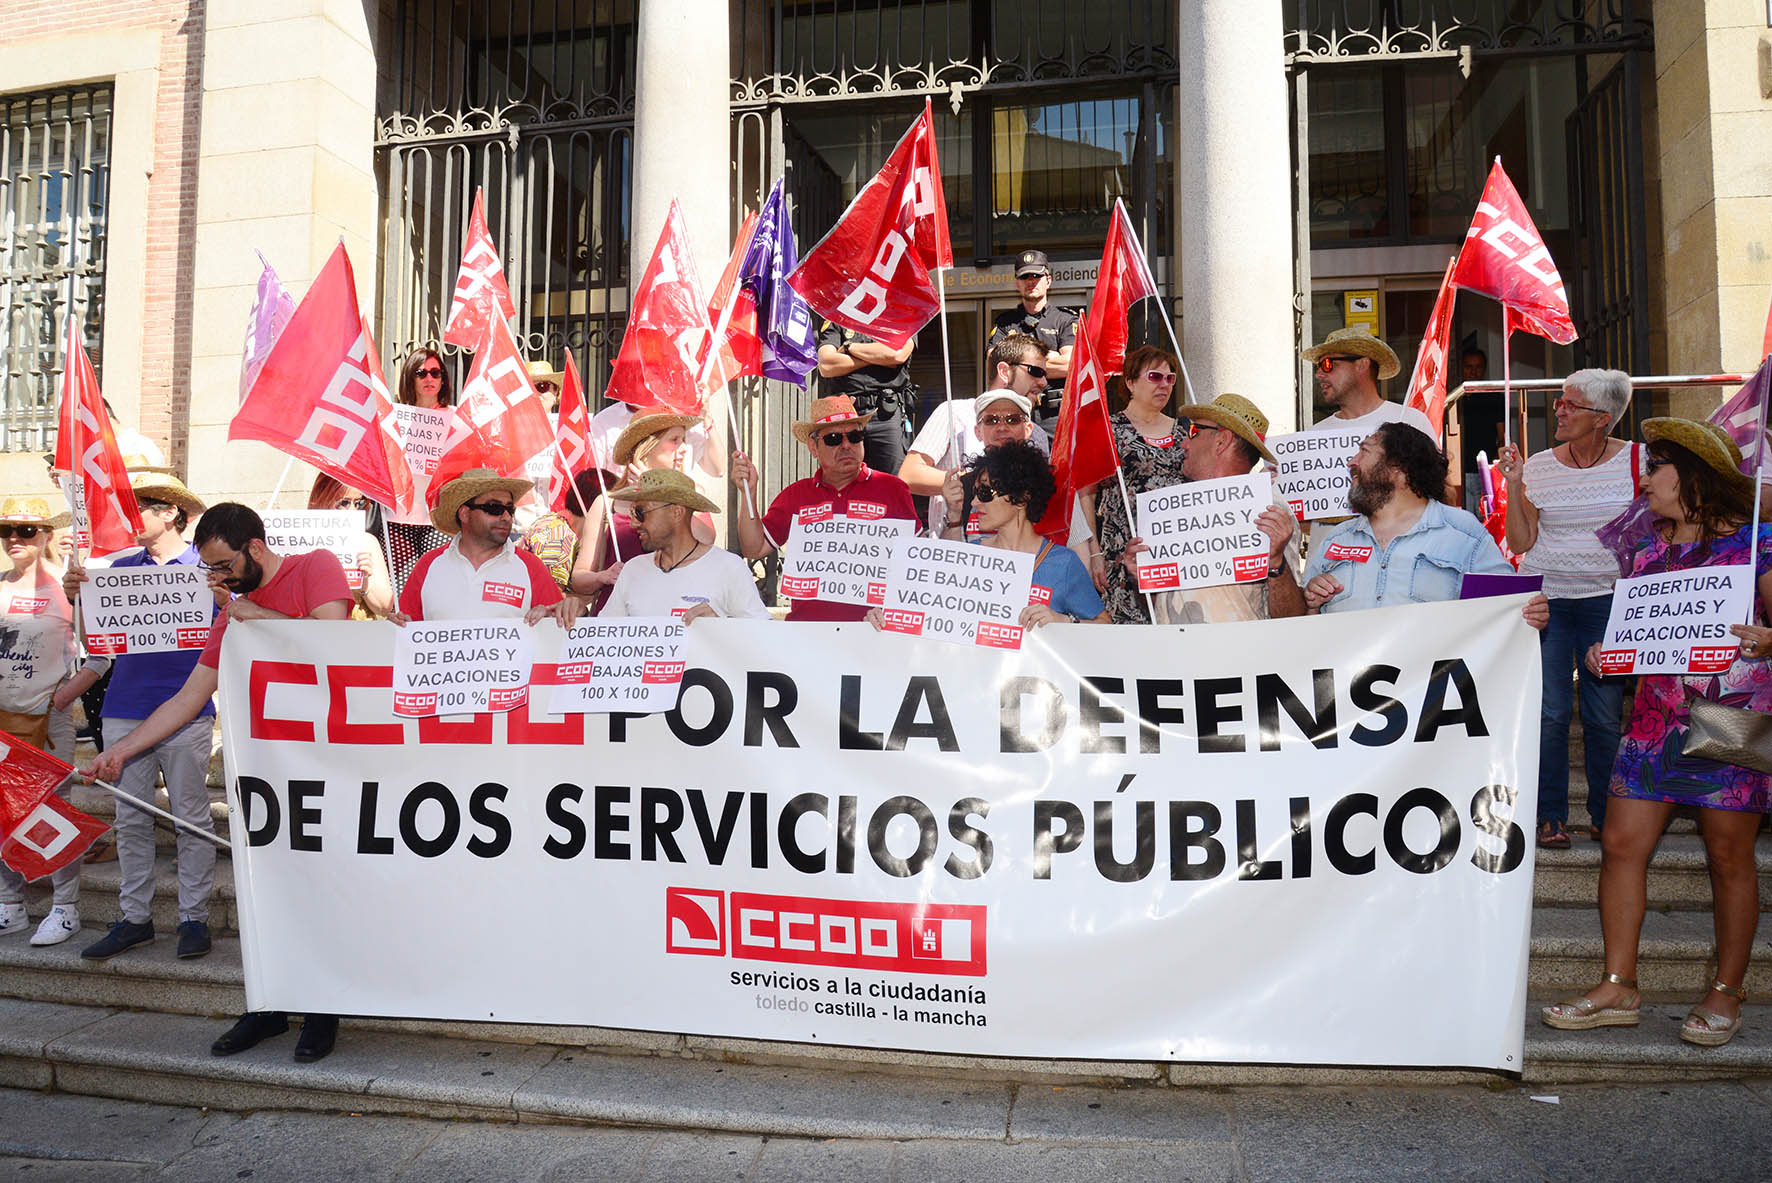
123 935
249 1030
193 938
318 1034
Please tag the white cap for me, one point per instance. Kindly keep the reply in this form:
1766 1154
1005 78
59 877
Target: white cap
1003 396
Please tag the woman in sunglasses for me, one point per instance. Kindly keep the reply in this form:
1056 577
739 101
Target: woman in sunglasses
1145 435
37 654
424 382
372 593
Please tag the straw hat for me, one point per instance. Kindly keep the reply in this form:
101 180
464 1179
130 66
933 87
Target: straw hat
1236 415
830 413
646 423
157 485
1359 342
1707 441
20 509
468 486
541 371
669 486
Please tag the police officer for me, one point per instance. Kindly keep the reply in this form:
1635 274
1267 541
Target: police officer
1052 326
877 378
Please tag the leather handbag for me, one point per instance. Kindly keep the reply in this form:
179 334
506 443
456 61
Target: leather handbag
1729 735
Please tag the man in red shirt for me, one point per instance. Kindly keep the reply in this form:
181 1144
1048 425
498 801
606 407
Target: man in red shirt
482 575
251 582
843 484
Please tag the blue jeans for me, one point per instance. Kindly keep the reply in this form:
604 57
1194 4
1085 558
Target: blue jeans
1575 626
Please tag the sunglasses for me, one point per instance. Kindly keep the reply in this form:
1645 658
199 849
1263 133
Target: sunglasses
1015 420
24 532
493 509
1325 364
1033 371
1195 427
1648 467
638 513
833 438
156 506
544 388
984 494
351 503
429 372
1159 377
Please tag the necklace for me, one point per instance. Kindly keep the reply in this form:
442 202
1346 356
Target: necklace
1574 463
681 561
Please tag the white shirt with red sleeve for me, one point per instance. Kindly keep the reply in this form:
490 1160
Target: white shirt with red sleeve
444 585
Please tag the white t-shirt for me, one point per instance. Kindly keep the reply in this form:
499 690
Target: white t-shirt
717 578
949 440
1385 412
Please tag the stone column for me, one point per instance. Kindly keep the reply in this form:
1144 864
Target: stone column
1234 193
682 129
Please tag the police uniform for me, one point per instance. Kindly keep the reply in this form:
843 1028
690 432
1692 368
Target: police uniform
1053 327
884 390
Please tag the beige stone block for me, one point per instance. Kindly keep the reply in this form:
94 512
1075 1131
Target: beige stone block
1692 341
1744 240
1686 183
218 320
1741 325
1723 14
226 251
1732 59
215 389
240 470
1683 94
344 194
284 50
1678 23
1691 259
1741 142
240 14
255 185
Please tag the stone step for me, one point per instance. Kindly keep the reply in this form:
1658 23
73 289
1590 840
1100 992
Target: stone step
1674 960
99 884
1679 877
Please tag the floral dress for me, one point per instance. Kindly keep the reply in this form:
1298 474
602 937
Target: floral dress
1651 766
1148 465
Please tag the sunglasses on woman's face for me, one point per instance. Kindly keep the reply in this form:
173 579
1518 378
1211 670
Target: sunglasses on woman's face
351 503
1159 377
23 532
430 372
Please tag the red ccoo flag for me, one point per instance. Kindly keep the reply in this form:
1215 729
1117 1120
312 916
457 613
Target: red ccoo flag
1505 259
39 832
1083 451
741 350
499 422
572 448
320 396
1427 386
668 331
1123 280
86 447
871 272
481 293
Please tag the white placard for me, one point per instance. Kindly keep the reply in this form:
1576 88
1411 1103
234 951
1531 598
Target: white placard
1203 534
953 591
456 667
1312 475
423 431
1677 622
839 558
634 664
298 531
146 609
74 489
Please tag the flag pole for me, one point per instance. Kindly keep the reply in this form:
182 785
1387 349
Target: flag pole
716 346
947 369
1753 534
1150 603
148 807
1187 383
281 478
1507 390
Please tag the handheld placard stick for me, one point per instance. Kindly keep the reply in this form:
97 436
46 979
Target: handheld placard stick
149 807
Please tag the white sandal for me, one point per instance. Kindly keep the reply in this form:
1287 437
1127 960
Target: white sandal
1584 1014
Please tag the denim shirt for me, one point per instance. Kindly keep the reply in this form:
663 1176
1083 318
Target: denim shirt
1428 562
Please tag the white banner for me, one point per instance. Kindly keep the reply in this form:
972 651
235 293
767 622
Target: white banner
455 667
957 592
1203 533
832 556
1265 842
1312 475
634 663
1677 622
146 609
423 432
298 531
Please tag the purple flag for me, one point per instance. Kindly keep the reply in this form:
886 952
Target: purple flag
784 322
271 310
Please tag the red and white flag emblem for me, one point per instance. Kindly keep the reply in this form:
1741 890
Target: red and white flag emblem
481 293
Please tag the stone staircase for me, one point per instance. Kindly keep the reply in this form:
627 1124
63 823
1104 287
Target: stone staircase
138 1026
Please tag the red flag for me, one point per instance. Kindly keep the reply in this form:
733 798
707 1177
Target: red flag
39 832
1427 386
320 396
499 422
572 442
871 272
1123 280
480 286
668 331
1766 339
86 447
1083 451
1505 259
741 350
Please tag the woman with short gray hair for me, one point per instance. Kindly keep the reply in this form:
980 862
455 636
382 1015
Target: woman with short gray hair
1556 500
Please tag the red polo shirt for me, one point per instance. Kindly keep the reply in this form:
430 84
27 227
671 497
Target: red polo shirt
876 491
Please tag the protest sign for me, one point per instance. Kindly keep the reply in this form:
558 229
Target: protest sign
146 609
1676 622
423 433
858 839
298 531
74 489
461 666
1203 533
837 557
952 591
1312 476
632 664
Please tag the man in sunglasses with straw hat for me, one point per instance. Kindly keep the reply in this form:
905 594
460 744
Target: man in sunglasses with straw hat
1349 364
1226 437
679 574
483 574
844 484
140 683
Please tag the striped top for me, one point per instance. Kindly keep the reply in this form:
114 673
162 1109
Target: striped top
1572 504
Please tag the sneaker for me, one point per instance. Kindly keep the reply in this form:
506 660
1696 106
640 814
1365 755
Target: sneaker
13 918
193 938
123 935
62 922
